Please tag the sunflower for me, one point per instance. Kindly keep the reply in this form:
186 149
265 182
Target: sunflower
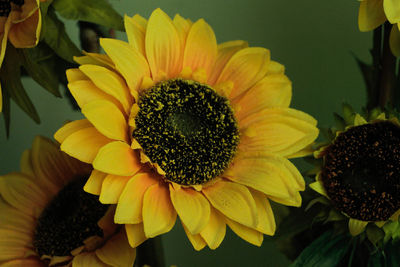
48 220
20 23
360 174
373 13
178 125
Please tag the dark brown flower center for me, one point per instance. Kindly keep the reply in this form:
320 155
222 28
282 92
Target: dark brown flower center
68 220
5 6
187 129
361 172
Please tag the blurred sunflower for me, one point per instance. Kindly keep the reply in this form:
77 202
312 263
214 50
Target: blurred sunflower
48 220
20 23
178 125
373 13
360 174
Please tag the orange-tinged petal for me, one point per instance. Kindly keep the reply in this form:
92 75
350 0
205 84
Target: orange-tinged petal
201 47
250 235
215 230
128 61
117 158
110 83
26 33
94 183
182 26
159 215
266 219
283 131
163 46
245 68
225 52
394 41
370 15
234 201
106 223
196 240
84 144
135 33
31 262
14 244
130 204
274 90
392 10
87 259
25 11
74 75
116 251
135 234
107 119
186 201
70 128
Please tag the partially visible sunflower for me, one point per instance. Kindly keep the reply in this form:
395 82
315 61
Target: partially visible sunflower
373 13
46 219
360 173
20 23
178 125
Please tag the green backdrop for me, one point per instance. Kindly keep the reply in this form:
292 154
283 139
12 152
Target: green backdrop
314 39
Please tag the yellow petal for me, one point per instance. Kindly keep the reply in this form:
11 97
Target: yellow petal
112 188
234 201
283 131
159 215
129 62
106 223
392 10
135 234
95 59
196 240
116 251
394 41
318 187
110 83
370 15
266 219
250 235
275 68
225 52
87 259
107 119
186 201
117 158
356 227
31 262
245 69
14 244
163 46
214 232
274 90
84 144
135 33
74 75
130 204
182 27
94 183
201 47
70 128
16 220
4 38
26 163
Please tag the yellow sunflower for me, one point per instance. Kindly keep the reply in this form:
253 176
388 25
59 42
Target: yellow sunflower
360 174
373 13
178 125
48 220
20 23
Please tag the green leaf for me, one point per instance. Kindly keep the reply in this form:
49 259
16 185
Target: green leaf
327 250
55 36
348 114
44 6
96 11
374 234
339 121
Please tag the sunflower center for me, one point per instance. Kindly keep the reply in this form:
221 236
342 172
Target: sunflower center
187 129
361 173
5 6
68 220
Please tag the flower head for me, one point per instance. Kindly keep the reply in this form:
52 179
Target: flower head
178 125
48 220
372 13
360 174
20 23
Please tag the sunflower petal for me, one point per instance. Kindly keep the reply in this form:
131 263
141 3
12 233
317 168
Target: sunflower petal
107 119
135 33
31 262
185 202
392 10
250 235
163 46
234 201
245 69
215 230
87 259
94 183
370 15
74 75
117 158
130 204
394 40
159 215
70 128
26 163
182 26
266 219
112 188
196 240
135 234
318 187
356 227
25 33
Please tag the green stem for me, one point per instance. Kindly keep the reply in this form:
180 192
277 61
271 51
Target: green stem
150 253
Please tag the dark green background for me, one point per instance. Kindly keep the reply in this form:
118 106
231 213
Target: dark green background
313 39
